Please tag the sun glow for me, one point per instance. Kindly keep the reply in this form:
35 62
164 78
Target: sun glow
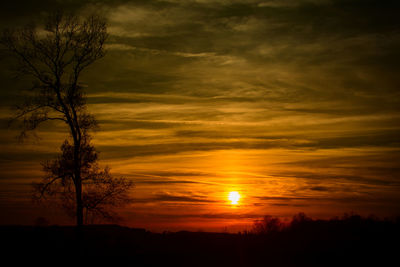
234 197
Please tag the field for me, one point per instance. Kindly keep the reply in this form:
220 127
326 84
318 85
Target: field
353 241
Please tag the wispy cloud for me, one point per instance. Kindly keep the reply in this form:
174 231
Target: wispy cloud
168 197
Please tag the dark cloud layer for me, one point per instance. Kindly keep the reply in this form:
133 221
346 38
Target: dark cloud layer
166 197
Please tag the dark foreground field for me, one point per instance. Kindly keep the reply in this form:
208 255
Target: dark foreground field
347 242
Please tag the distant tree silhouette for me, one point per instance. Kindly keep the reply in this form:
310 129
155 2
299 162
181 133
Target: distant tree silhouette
300 219
55 56
100 190
267 225
41 222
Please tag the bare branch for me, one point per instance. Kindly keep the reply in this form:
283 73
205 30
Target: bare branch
101 191
55 57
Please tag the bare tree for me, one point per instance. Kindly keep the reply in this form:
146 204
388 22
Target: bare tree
100 190
55 56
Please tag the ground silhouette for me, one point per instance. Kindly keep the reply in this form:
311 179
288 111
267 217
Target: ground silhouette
349 241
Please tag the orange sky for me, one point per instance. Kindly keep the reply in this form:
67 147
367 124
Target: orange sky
295 105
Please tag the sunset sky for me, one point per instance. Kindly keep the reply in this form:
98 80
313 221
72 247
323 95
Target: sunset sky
294 104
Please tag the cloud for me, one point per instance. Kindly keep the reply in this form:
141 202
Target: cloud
221 141
164 182
179 198
361 179
175 216
321 188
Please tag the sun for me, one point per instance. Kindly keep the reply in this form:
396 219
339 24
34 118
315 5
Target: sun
234 197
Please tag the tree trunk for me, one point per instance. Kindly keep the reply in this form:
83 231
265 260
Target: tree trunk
79 204
78 183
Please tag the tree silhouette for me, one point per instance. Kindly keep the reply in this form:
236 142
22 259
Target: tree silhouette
267 225
100 190
55 56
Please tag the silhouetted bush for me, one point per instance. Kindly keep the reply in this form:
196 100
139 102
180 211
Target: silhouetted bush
267 225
